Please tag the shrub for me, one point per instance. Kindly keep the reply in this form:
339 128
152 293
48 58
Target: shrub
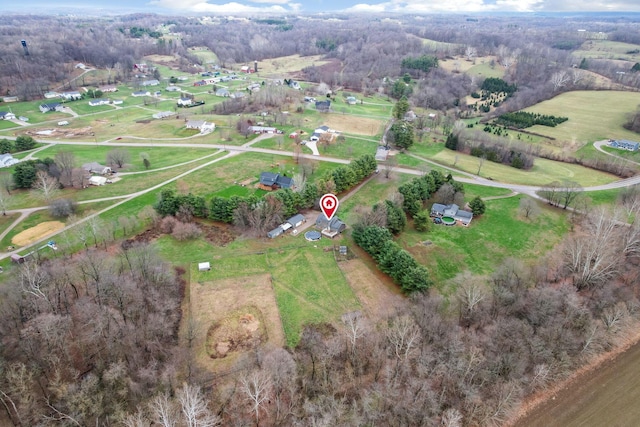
168 224
62 208
186 231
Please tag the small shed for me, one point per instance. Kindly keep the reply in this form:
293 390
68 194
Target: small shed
204 266
275 232
296 220
97 180
18 259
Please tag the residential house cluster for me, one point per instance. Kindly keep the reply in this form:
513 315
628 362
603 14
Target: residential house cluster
453 211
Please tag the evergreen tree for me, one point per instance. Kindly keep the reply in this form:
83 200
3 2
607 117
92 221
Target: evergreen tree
477 206
401 108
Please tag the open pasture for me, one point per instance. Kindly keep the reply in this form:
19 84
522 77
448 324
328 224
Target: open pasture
608 49
593 115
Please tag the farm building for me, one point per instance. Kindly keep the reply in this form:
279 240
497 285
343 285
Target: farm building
19 259
624 144
141 93
109 88
153 82
172 88
453 211
204 266
9 99
330 228
224 92
296 220
51 95
95 167
323 106
270 181
4 115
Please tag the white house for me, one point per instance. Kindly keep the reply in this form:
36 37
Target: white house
141 93
51 95
202 125
163 114
55 106
7 160
184 102
109 88
153 82
96 102
71 96
4 115
172 88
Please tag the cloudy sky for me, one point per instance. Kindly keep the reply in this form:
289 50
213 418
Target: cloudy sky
312 6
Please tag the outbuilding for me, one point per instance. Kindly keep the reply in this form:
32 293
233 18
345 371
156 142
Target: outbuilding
204 266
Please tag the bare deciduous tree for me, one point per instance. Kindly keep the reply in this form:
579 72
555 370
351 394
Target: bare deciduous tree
46 186
404 334
256 386
118 157
194 408
559 79
529 208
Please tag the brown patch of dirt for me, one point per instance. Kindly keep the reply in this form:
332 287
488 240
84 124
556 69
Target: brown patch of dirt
345 123
232 316
379 296
216 234
333 66
58 132
241 330
32 234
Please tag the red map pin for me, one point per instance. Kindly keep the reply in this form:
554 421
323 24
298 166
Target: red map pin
329 205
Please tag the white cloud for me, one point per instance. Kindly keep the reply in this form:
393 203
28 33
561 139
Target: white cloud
372 8
232 7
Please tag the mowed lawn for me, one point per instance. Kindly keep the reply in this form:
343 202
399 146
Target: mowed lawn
502 232
309 287
593 115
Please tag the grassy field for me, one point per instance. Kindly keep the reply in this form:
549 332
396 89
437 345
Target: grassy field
158 156
451 48
204 53
543 172
500 233
607 49
309 287
593 115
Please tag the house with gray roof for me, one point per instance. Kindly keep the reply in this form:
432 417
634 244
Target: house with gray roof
439 210
270 181
296 220
624 144
330 228
7 160
55 106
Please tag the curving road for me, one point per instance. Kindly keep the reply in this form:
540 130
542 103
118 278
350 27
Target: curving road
235 150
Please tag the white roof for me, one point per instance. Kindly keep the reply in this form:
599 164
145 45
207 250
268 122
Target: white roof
204 266
97 180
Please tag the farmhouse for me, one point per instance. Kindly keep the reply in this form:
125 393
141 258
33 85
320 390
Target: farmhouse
172 88
153 82
56 106
163 114
95 167
184 102
624 144
330 228
453 211
141 93
96 102
224 92
317 134
7 160
71 96
4 115
273 181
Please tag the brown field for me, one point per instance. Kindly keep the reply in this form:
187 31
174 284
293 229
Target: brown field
238 312
32 234
379 298
161 59
288 64
349 124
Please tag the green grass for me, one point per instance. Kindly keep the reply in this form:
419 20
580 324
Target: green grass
309 287
486 70
543 172
158 156
500 233
6 220
607 49
593 116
